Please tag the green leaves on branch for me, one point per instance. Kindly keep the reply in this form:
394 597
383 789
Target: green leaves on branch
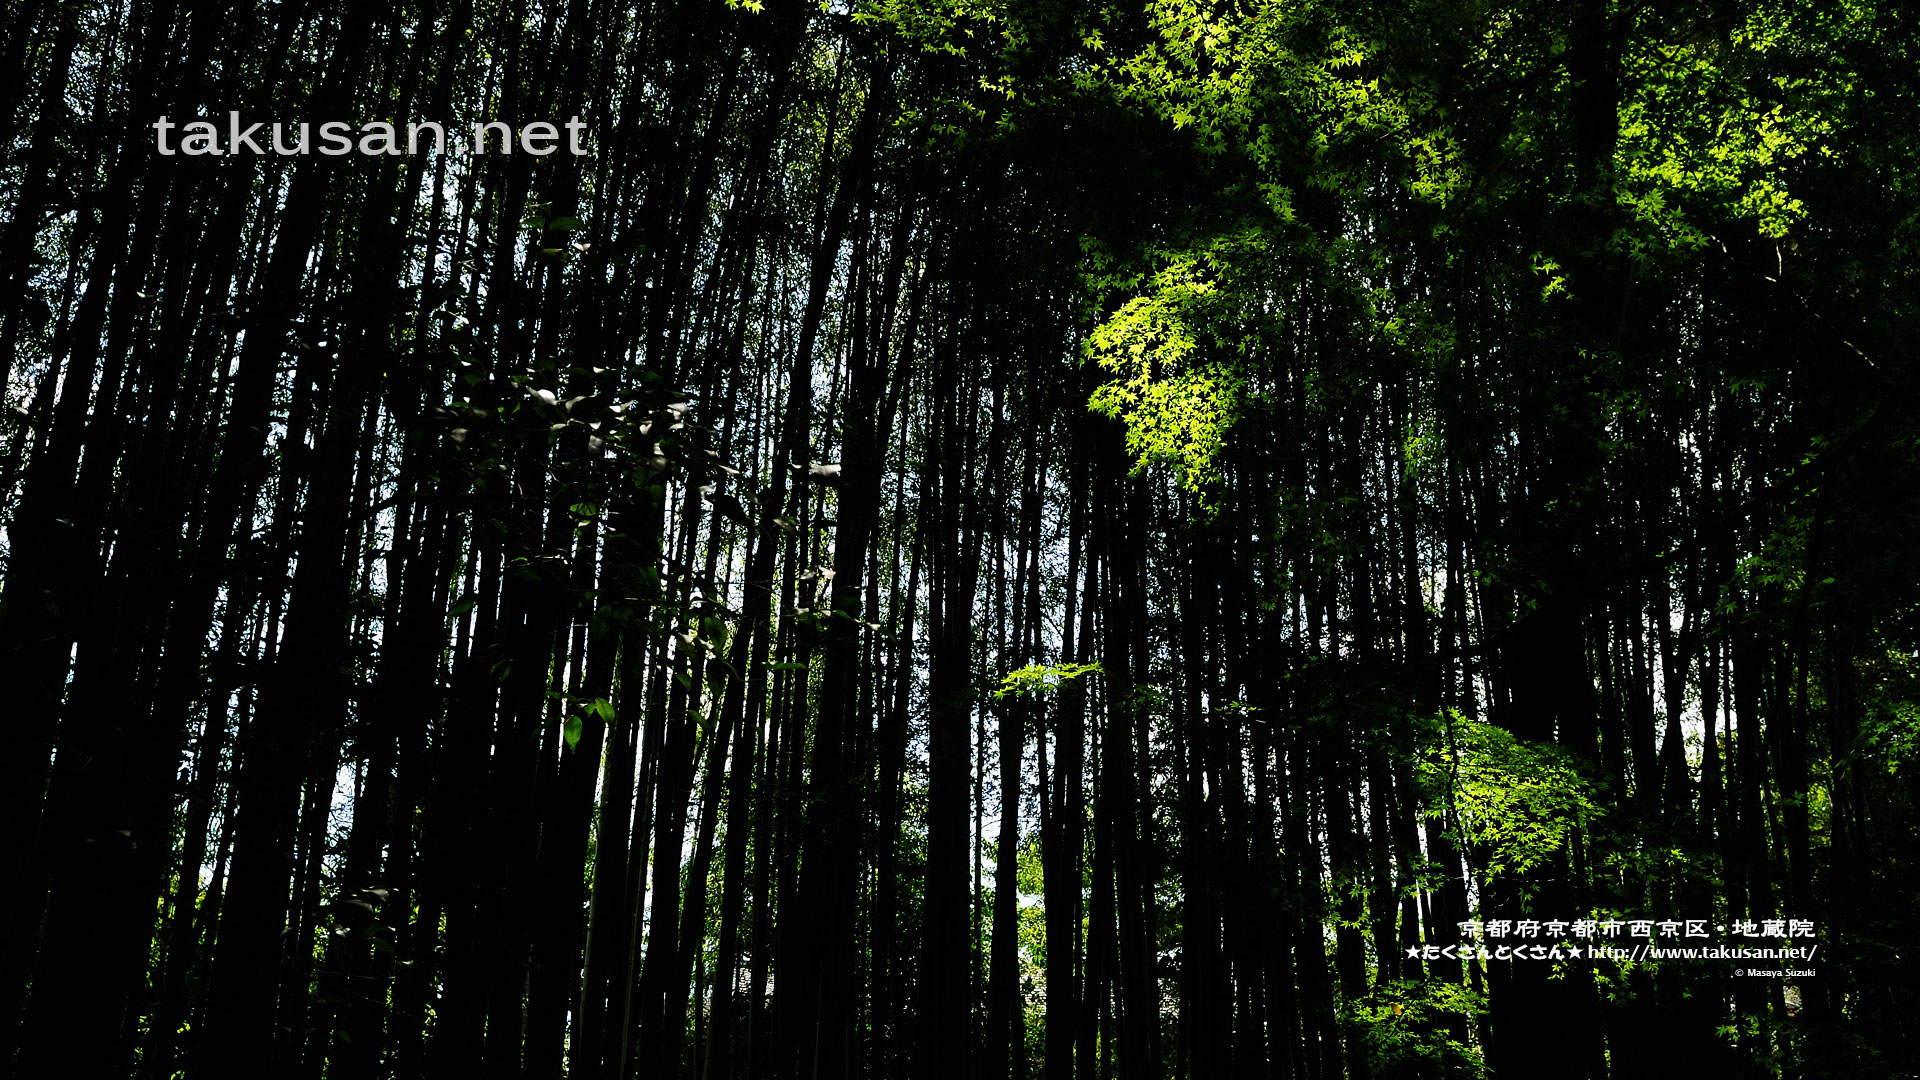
575 723
1714 129
1041 679
1516 804
1177 350
1413 1028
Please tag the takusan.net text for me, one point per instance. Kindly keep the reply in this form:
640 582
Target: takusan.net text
375 137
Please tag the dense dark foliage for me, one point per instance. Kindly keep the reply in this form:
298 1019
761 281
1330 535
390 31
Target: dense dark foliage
965 539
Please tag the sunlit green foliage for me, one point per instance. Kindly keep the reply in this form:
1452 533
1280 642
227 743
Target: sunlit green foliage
1036 679
1418 1030
1518 804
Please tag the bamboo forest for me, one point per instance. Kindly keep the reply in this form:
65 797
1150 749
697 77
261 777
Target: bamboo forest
959 539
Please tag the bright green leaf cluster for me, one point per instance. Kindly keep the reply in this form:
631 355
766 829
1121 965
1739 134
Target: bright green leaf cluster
1517 803
1041 679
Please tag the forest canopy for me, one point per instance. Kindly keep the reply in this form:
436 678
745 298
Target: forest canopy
960 538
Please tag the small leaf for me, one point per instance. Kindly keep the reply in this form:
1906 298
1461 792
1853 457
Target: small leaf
730 508
571 732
